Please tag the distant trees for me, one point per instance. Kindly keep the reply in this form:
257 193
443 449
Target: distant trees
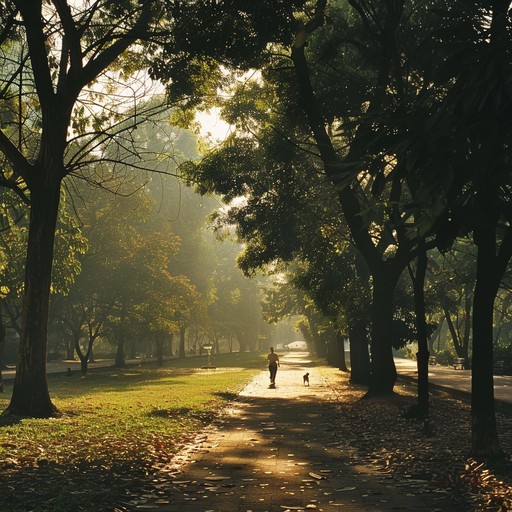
141 286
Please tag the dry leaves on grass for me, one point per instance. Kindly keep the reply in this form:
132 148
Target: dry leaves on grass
103 473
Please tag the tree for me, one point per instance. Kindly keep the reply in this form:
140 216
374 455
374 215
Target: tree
452 275
367 168
91 38
470 181
491 175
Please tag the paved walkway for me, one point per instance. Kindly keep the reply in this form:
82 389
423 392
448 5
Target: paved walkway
62 366
277 450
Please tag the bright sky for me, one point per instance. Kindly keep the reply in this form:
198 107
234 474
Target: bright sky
212 127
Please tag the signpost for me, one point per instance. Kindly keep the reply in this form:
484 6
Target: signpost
208 349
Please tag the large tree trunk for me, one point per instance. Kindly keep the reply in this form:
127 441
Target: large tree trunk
490 265
359 355
484 432
383 370
30 395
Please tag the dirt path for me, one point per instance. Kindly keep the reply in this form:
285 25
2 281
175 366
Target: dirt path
277 450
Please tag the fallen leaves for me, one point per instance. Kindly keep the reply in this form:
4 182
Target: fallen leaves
486 487
375 432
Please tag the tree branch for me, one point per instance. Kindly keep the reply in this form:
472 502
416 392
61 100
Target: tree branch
71 34
31 14
20 164
95 66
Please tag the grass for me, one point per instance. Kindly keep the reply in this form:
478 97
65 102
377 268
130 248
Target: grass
117 427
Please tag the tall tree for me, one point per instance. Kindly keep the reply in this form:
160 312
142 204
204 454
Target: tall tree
64 48
386 42
486 118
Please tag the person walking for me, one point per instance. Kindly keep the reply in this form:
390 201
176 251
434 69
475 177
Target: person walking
273 363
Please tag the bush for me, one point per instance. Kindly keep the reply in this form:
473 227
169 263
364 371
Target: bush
445 357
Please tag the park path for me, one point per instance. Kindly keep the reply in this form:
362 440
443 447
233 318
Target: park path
277 450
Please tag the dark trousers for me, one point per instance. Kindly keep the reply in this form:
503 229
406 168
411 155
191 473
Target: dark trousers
272 368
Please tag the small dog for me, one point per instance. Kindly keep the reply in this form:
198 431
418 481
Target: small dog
305 378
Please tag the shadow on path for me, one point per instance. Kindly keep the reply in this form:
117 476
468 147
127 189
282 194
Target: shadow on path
276 450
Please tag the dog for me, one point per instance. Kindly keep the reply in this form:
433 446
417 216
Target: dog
305 378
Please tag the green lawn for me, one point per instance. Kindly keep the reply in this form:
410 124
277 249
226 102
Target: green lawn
117 427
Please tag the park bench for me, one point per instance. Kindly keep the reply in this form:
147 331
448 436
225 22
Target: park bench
498 367
458 363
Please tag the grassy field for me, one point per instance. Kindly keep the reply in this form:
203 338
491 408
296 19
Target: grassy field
117 428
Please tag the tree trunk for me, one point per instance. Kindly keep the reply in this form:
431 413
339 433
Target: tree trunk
340 344
435 336
181 348
120 355
242 344
423 354
359 355
159 344
30 395
484 432
331 346
84 358
70 350
84 366
383 370
490 265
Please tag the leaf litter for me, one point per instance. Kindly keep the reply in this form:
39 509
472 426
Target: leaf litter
375 431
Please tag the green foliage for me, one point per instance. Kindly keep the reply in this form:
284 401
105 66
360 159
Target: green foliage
70 244
202 37
445 357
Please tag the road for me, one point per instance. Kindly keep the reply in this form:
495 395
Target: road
445 377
